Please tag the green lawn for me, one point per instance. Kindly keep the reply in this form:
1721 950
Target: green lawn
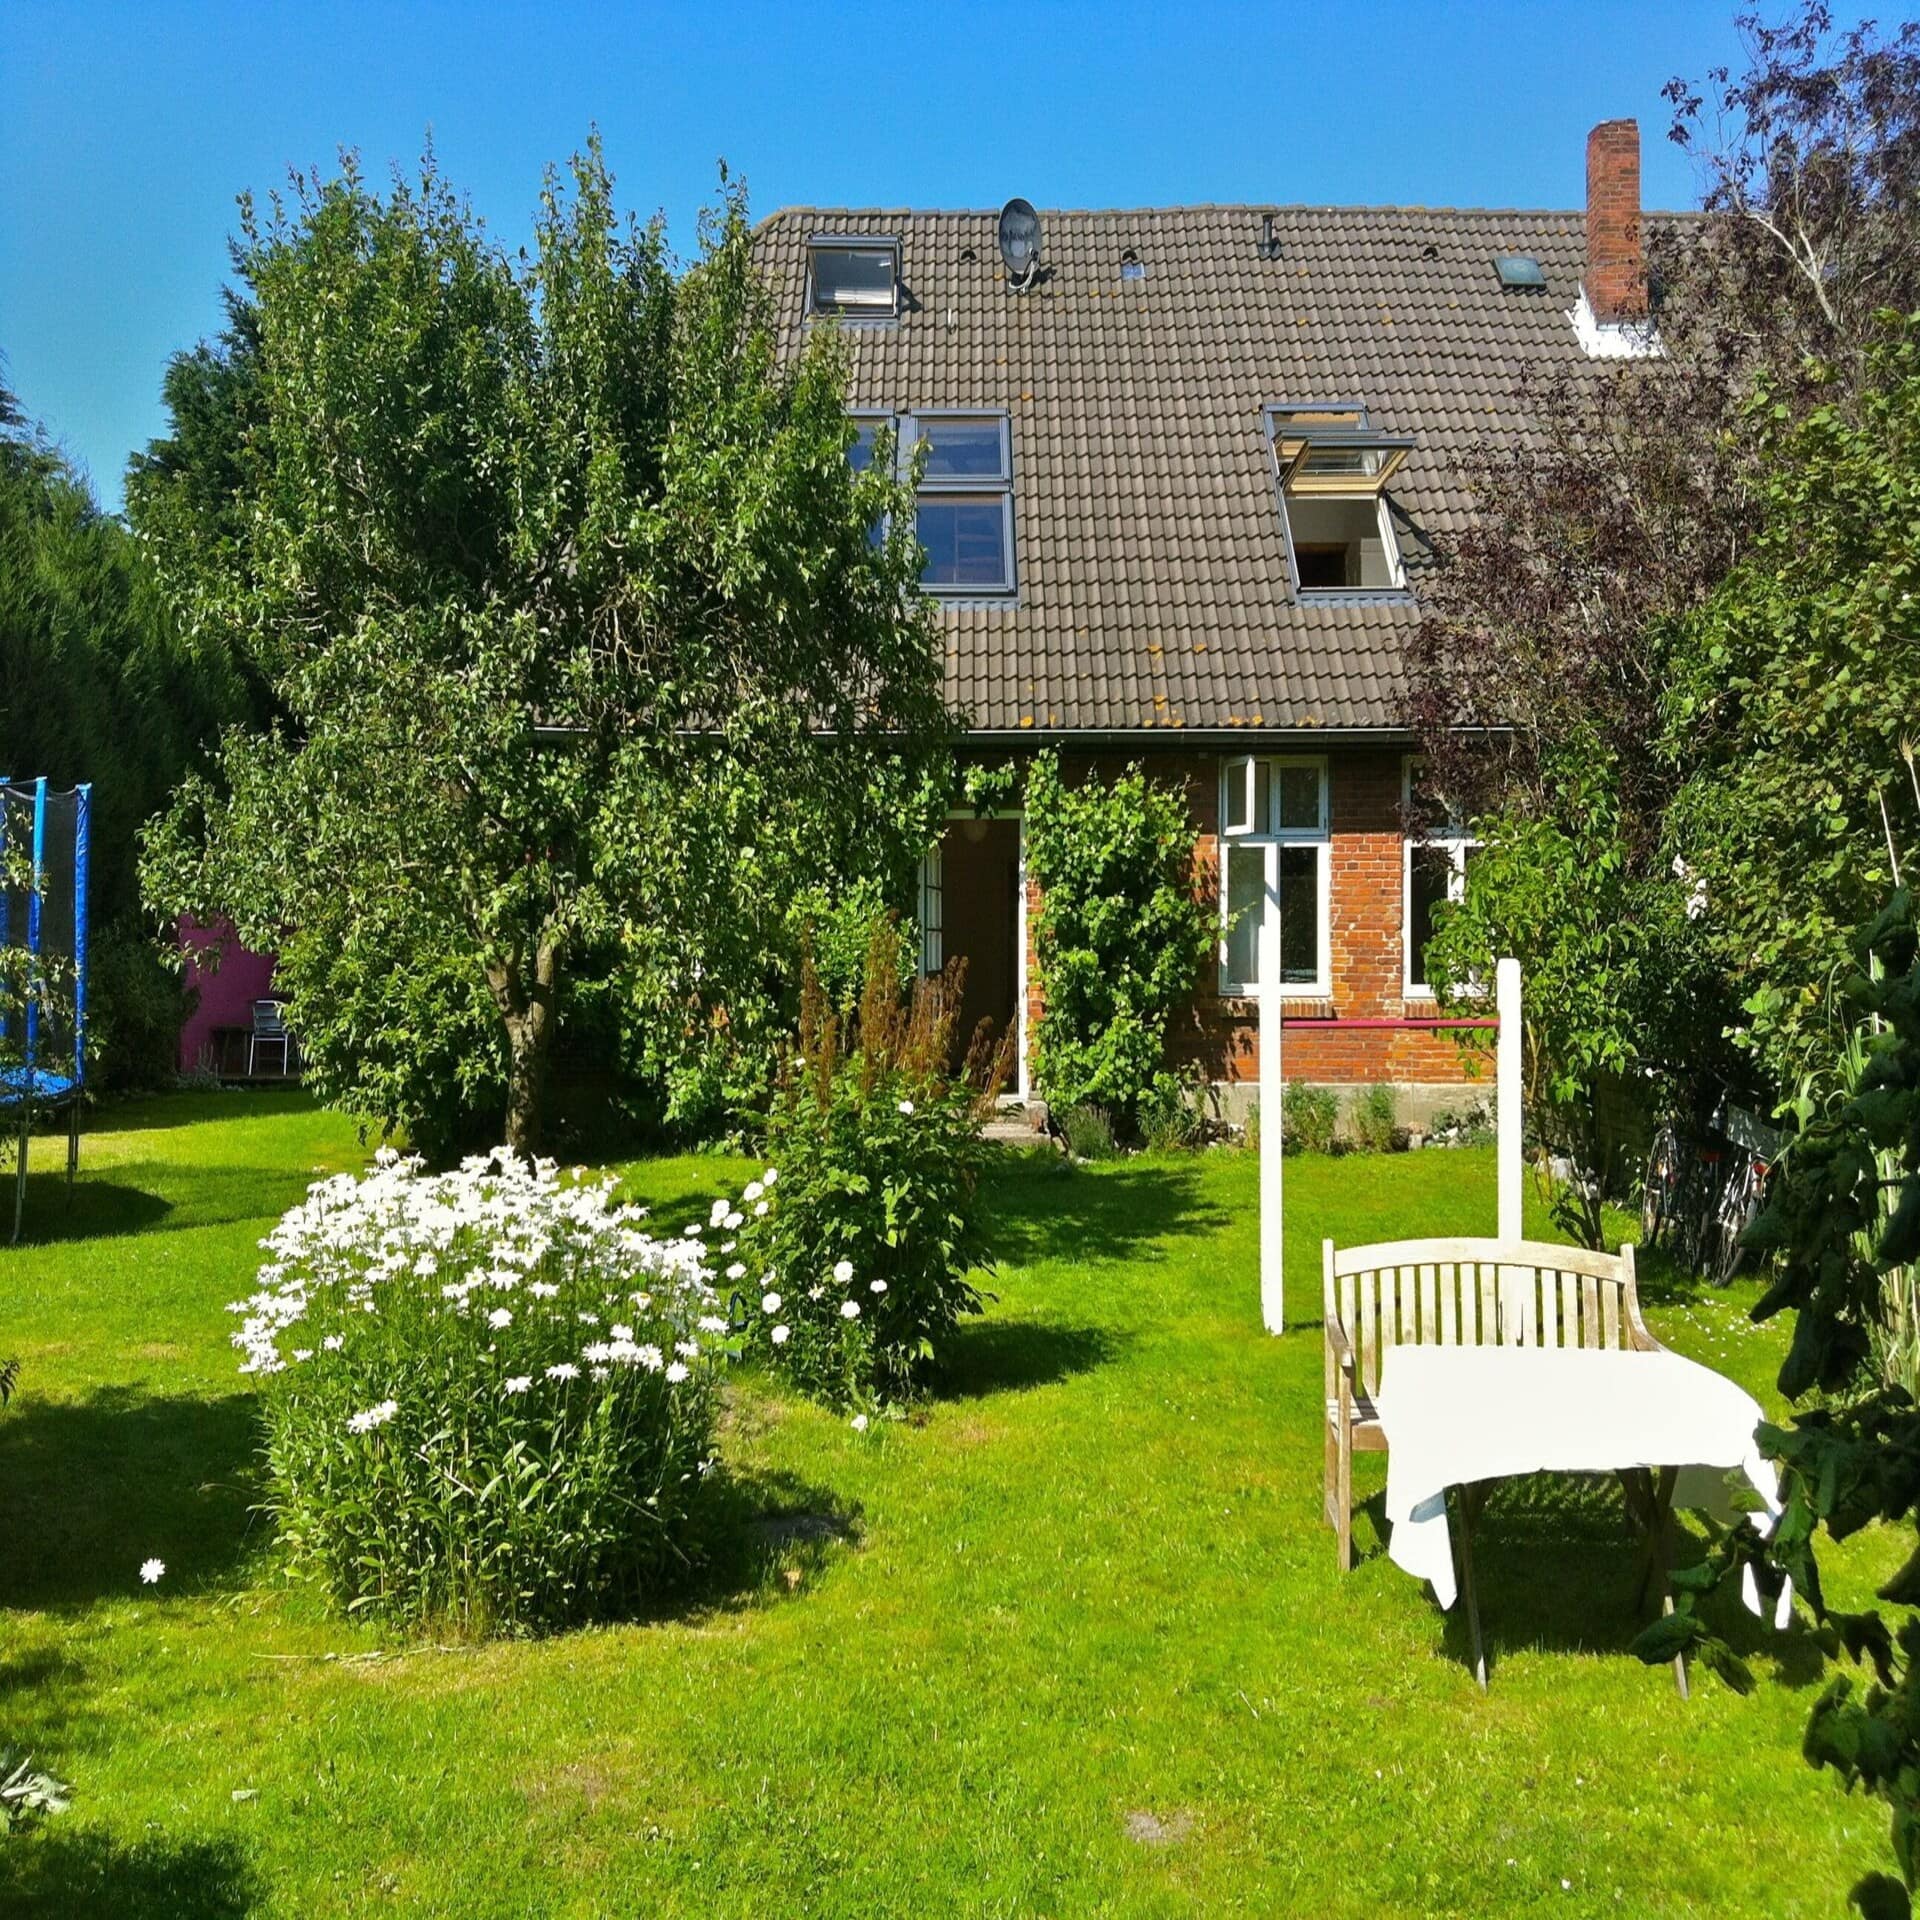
1072 1643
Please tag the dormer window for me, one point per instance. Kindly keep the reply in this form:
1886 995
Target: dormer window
856 277
1332 467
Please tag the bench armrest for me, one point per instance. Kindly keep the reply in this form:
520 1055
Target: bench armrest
1337 1340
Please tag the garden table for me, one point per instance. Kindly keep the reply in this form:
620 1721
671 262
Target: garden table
1459 1418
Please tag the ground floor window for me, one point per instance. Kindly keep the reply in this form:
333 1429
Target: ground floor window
933 912
1436 874
1273 821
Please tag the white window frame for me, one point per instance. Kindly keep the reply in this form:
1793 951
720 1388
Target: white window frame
1456 843
1272 837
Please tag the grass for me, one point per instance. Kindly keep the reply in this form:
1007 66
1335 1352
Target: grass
1071 1643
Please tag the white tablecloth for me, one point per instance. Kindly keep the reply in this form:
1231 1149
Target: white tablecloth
1454 1415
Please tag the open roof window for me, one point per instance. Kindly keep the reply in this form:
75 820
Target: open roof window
855 275
1333 466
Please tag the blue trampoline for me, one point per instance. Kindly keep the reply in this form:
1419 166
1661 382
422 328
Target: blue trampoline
43 950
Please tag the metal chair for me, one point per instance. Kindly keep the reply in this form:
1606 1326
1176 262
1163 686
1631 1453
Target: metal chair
269 1031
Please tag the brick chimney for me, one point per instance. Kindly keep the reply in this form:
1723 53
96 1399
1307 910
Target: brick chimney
1616 281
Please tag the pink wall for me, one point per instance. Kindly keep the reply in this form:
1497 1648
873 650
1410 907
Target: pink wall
226 996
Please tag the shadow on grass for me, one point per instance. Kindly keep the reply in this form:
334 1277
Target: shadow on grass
1002 1356
96 1486
91 1210
755 1535
1041 1207
156 1113
68 1871
1557 1566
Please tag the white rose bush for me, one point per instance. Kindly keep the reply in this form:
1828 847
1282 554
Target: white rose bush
489 1394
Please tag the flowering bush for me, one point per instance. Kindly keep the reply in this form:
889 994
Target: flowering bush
865 1237
488 1393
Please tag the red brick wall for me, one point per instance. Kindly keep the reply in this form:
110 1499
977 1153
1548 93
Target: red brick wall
1616 277
1365 941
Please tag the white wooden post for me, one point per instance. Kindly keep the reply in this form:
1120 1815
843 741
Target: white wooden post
1507 1116
1273 1288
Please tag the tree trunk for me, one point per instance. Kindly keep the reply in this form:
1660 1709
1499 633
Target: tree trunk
526 1008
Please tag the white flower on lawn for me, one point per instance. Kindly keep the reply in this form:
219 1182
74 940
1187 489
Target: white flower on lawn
650 1357
732 1221
677 1372
542 1289
151 1570
752 1191
849 1309
814 1293
711 1323
858 1423
371 1417
598 1353
737 1271
780 1336
692 1229
687 1349
879 1286
563 1370
759 1208
519 1383
333 1343
906 1106
602 1373
770 1303
721 1208
843 1271
500 1317
303 1353
619 1332
770 1176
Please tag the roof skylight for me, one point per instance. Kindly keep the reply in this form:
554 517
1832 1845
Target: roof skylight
1519 270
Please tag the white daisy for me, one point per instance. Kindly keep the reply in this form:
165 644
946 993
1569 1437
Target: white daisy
849 1309
151 1570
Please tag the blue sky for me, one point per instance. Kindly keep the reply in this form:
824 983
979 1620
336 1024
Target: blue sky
128 130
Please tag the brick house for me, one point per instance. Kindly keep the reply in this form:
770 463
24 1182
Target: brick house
1185 467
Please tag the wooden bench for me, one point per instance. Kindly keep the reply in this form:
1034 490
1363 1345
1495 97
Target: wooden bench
1517 1293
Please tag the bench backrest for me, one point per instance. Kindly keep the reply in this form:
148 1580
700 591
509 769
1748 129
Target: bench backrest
1516 1293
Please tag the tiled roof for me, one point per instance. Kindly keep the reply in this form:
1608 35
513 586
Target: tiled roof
1152 572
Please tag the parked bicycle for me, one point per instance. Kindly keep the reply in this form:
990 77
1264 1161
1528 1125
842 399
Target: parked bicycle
1702 1195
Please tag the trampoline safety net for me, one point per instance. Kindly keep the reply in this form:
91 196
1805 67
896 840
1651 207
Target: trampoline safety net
43 942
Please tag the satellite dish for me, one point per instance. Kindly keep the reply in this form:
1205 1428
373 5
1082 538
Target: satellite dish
1020 241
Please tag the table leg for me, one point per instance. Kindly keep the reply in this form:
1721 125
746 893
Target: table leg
20 1178
1649 1499
1465 1508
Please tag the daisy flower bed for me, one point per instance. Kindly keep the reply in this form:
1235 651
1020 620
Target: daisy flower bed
488 1394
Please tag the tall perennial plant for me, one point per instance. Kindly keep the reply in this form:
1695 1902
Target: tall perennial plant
488 1393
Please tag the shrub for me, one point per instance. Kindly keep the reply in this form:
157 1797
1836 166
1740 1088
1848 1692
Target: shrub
864 1234
1171 1111
1310 1119
1088 1132
1120 936
488 1393
1375 1120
